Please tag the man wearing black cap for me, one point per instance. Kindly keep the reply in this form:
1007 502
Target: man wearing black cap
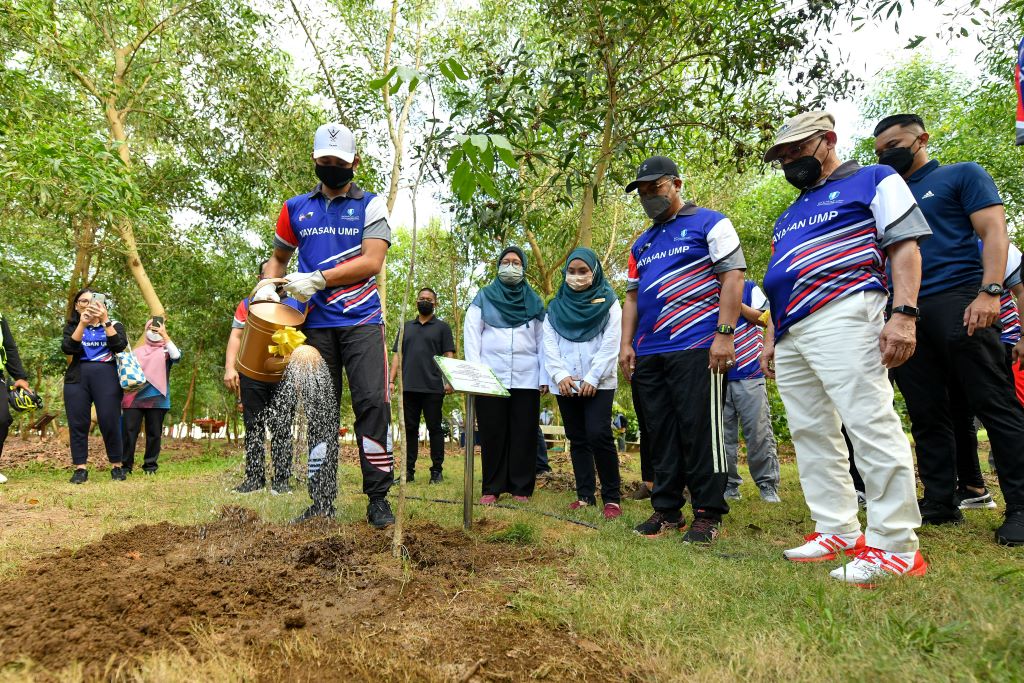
958 336
683 297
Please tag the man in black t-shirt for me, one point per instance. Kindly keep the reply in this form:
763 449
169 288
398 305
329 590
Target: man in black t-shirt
423 387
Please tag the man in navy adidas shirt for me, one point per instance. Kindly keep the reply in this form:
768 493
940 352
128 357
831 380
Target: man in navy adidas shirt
342 236
958 337
746 403
683 295
830 347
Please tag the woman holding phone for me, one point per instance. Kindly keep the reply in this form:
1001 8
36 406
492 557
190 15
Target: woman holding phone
149 404
91 339
581 341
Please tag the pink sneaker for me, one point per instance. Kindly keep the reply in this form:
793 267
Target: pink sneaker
521 499
578 504
612 510
488 499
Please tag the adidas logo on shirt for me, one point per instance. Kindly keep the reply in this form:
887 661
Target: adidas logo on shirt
928 194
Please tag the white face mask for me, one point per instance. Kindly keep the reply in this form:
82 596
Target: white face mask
510 274
579 282
154 336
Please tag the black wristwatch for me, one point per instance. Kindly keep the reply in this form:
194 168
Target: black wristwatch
913 311
725 329
107 324
995 289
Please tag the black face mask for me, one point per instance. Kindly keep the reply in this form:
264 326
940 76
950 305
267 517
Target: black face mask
334 177
803 172
424 307
899 158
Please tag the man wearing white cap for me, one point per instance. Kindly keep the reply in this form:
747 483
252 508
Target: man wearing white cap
342 235
829 345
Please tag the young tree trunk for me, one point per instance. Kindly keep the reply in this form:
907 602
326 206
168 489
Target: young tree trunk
85 237
186 411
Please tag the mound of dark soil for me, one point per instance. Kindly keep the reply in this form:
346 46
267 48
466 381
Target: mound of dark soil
159 587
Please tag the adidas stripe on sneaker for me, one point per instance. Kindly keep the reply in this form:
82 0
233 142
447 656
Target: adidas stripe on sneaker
825 547
872 565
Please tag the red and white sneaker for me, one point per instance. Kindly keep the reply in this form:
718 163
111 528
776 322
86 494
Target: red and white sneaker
612 510
874 564
825 547
578 504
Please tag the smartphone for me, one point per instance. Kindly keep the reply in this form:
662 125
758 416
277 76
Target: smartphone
158 321
99 298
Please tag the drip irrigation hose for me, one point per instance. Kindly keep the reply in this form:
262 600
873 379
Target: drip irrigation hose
506 506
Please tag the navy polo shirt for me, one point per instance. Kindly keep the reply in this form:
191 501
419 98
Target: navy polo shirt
947 196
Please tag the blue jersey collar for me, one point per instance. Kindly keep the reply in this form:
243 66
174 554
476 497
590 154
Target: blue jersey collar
354 192
923 171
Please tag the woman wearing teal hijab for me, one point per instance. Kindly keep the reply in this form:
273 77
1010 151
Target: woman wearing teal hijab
582 330
503 330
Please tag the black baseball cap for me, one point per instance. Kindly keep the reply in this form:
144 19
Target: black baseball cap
652 169
896 120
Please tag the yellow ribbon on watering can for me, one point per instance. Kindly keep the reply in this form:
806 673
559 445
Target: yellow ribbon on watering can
288 339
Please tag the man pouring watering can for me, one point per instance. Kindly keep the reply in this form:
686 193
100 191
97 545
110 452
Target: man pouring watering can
342 236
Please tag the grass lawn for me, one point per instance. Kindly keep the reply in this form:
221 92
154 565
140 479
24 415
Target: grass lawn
667 610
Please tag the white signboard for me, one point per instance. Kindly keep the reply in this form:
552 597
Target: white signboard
470 378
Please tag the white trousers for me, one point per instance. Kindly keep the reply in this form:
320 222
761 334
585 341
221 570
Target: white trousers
829 371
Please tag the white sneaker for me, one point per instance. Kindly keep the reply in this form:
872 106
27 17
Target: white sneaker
825 547
873 565
3 479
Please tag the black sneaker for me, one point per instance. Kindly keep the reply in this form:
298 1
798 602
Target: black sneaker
80 476
378 514
315 510
117 474
436 478
248 486
703 530
1011 533
280 488
659 523
934 513
969 500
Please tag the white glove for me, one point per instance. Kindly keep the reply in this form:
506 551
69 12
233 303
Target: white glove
302 286
266 293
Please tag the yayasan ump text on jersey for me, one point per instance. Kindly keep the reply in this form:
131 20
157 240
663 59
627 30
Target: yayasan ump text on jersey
831 241
328 233
674 269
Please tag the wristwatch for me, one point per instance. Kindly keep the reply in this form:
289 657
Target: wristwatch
995 289
725 329
913 311
107 324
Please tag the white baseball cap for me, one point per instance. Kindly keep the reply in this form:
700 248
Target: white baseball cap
334 140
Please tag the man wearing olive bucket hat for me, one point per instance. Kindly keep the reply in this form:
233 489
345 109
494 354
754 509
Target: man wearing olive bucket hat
342 235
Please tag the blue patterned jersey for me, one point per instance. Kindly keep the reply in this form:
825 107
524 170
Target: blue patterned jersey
831 241
749 338
328 233
674 269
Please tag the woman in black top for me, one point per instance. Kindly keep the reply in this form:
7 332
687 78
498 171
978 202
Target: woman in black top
12 375
91 339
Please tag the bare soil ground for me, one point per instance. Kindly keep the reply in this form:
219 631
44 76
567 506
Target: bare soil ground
319 601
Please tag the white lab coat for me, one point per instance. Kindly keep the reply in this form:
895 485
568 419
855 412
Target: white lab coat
594 360
515 354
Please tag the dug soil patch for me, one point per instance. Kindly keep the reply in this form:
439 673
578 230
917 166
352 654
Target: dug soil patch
319 601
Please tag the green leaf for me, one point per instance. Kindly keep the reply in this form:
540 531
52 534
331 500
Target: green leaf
457 69
501 142
454 160
463 183
914 42
508 157
378 83
480 141
487 184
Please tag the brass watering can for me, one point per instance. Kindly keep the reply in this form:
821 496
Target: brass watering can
255 359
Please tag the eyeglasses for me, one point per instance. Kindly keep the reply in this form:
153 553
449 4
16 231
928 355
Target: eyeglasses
653 189
795 151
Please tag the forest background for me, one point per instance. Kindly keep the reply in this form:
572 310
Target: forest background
146 148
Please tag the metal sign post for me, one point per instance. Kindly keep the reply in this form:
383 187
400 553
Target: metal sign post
468 494
471 379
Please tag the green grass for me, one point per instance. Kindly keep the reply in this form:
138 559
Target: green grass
732 611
